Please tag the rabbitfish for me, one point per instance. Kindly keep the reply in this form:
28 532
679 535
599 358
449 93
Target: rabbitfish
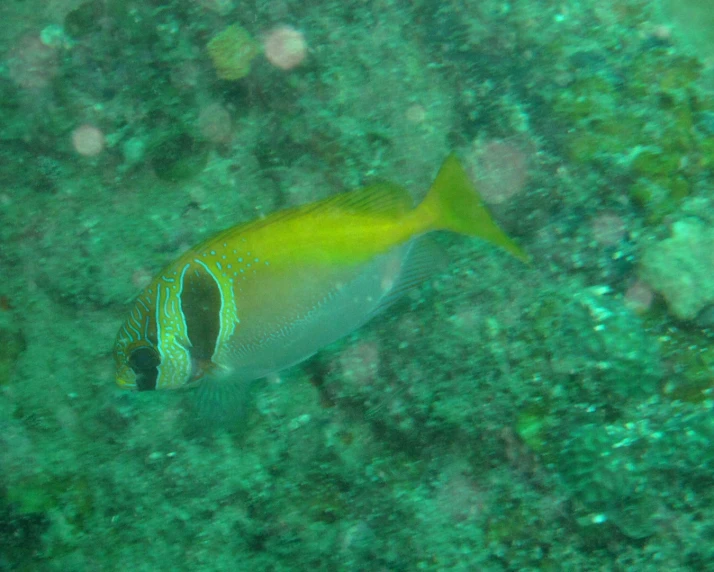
265 295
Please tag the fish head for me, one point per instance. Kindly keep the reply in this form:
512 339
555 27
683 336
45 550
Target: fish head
136 355
152 350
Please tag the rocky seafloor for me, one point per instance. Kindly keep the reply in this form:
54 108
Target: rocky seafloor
502 416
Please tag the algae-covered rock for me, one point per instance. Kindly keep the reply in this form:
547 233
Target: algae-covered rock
85 19
12 344
693 22
596 339
178 157
680 268
605 472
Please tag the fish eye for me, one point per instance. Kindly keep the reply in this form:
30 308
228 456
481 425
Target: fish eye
145 363
143 359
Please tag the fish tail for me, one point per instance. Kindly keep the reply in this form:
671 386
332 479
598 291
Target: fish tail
454 204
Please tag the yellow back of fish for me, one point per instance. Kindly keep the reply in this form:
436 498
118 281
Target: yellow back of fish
353 227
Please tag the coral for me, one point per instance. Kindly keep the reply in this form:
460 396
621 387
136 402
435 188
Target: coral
285 47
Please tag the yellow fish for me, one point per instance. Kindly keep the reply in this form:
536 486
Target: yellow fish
265 295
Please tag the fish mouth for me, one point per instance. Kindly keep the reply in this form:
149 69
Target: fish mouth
125 383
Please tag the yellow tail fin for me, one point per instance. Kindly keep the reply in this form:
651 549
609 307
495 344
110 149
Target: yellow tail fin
453 204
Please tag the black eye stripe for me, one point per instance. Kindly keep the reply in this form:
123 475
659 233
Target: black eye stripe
143 359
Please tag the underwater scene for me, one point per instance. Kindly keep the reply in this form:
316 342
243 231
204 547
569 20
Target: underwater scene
356 285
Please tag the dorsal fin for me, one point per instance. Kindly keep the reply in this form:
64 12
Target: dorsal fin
382 198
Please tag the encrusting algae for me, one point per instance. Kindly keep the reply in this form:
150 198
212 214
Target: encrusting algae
265 295
232 52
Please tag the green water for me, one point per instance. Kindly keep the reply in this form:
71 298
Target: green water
500 417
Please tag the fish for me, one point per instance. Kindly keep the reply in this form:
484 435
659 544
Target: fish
266 295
